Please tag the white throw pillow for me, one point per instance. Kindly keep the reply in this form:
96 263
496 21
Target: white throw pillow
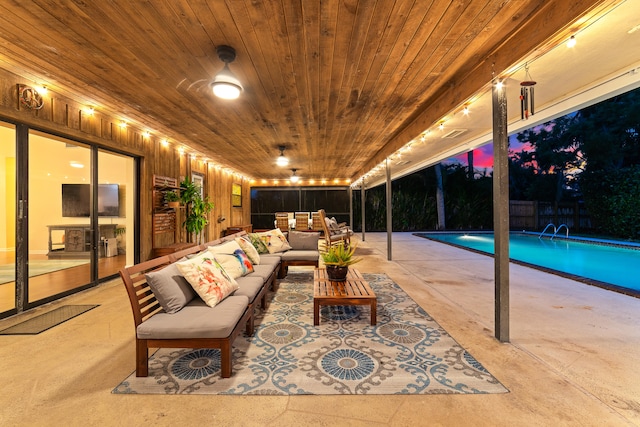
208 278
275 241
232 258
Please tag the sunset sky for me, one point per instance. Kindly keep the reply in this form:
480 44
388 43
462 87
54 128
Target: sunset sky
483 156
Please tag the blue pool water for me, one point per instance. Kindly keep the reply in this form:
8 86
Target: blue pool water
610 264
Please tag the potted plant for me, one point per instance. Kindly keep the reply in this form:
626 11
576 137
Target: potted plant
337 259
172 198
196 209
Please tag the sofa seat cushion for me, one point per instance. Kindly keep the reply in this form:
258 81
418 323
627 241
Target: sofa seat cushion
272 260
249 286
263 271
196 320
300 256
339 236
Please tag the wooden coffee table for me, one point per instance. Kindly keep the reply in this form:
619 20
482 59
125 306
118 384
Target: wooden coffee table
353 291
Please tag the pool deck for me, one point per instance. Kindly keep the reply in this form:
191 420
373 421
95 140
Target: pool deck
573 359
574 354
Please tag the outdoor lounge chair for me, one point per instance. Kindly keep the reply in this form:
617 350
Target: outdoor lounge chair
334 232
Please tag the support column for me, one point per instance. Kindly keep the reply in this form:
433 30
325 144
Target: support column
350 195
389 210
501 211
362 200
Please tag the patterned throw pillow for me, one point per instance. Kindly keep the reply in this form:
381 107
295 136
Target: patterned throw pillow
258 243
249 249
275 241
208 278
232 258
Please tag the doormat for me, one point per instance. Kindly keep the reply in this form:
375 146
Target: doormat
48 320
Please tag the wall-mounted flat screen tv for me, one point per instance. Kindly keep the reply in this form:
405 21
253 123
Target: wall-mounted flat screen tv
76 201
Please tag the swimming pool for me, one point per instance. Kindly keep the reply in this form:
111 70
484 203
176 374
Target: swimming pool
612 266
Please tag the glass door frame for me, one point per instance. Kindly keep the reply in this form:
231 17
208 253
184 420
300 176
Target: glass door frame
22 219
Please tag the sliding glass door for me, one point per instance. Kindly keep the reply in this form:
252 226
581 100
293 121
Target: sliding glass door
116 204
60 238
69 217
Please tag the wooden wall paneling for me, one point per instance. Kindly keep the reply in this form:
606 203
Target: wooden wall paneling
222 205
73 116
59 111
89 123
213 180
246 203
46 111
147 167
7 90
106 130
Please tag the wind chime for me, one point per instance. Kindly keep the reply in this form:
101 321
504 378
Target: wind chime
527 95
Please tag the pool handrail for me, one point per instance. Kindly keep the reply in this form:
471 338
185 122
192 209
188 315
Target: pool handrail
559 228
545 229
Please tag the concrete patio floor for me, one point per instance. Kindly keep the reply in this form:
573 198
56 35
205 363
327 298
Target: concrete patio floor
572 360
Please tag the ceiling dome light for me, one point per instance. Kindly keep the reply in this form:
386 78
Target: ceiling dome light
571 42
282 161
225 84
294 178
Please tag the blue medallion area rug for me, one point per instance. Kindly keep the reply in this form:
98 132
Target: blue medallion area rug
407 352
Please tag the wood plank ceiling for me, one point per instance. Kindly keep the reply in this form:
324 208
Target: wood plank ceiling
341 84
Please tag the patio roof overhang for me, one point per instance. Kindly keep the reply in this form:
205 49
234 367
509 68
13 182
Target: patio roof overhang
604 63
343 85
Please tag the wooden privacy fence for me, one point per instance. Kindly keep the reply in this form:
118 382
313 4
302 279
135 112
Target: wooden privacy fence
535 215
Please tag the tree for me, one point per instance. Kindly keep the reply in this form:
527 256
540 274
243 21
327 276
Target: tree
555 154
608 134
593 153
